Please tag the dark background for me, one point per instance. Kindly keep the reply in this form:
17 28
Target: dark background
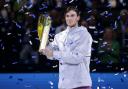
19 40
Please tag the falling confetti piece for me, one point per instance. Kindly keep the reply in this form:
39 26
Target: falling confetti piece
51 87
28 86
15 63
18 25
125 72
32 15
95 41
125 75
55 66
103 87
93 70
51 83
10 77
122 69
6 5
71 1
3 48
30 42
20 79
98 87
98 62
116 74
122 80
9 33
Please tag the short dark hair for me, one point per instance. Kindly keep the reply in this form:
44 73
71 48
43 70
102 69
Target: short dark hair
69 8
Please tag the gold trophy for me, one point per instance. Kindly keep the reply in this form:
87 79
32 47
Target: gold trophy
44 24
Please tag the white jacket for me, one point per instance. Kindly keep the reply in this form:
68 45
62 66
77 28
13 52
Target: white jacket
72 48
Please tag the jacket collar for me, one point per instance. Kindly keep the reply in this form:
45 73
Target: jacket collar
72 29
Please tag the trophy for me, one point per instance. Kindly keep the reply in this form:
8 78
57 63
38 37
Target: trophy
44 24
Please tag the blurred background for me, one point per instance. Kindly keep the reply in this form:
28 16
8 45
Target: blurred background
106 21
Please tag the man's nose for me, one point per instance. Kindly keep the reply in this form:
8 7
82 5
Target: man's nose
69 17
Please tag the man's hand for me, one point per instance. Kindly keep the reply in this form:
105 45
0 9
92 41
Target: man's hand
47 52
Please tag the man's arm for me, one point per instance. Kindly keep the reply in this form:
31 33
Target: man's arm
48 51
76 56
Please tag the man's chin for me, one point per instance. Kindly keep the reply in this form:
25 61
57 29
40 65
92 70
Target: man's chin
71 25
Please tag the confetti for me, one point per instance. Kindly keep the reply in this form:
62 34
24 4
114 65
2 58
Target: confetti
93 70
101 32
34 56
3 48
125 75
20 79
110 14
34 30
27 86
19 34
51 87
98 87
51 40
18 25
89 11
37 38
32 15
92 49
20 41
50 82
109 66
118 17
103 87
10 77
71 1
98 62
122 80
27 13
15 63
55 66
95 41
125 72
6 5
122 69
30 42
116 74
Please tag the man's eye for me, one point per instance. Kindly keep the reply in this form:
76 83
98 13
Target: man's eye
67 15
72 15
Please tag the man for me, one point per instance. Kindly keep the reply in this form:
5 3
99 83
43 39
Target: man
72 47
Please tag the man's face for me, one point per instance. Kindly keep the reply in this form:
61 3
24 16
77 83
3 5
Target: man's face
72 18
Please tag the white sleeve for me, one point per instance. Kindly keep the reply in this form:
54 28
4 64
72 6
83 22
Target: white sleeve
53 46
78 54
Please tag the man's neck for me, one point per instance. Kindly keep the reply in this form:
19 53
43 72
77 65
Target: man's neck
76 25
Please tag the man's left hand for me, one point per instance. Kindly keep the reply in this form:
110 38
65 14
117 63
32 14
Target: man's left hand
47 52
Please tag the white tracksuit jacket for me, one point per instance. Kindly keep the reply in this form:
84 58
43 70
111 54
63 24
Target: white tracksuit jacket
72 47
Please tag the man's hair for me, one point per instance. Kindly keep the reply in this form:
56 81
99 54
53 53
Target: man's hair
69 8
